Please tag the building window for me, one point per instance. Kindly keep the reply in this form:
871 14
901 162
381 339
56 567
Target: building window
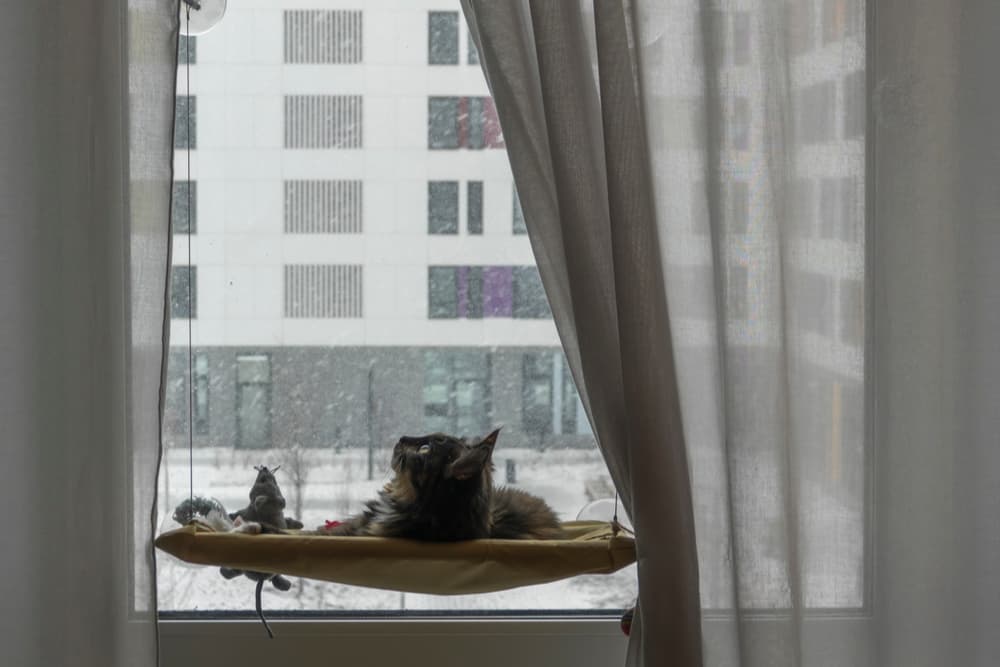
473 55
801 207
817 113
839 216
323 37
201 387
815 305
854 105
739 124
529 300
474 204
740 44
185 122
457 396
801 26
518 227
253 401
549 402
737 292
462 122
442 38
184 207
184 292
323 291
738 202
323 121
442 207
840 19
485 291
323 207
187 50
852 313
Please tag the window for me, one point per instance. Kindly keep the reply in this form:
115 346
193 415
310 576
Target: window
323 121
529 296
815 305
323 207
184 292
253 401
473 55
738 212
201 388
185 122
323 291
442 38
839 209
817 108
854 105
474 220
442 207
323 36
739 124
549 402
737 291
740 45
184 207
333 316
852 313
462 122
187 50
486 291
840 19
457 396
801 26
518 226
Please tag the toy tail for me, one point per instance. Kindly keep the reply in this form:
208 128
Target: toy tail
260 612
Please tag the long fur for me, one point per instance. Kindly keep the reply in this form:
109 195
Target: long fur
442 491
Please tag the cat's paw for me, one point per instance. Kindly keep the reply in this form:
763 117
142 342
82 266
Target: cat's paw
248 527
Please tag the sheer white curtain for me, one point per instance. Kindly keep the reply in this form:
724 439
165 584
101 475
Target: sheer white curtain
829 309
85 159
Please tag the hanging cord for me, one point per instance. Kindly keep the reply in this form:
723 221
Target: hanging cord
616 526
190 275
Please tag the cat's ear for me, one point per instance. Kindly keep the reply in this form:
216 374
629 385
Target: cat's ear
491 439
473 459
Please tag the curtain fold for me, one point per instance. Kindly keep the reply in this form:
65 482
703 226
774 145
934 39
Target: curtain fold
85 153
578 150
783 216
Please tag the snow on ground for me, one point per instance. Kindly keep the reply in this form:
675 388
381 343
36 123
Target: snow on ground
334 485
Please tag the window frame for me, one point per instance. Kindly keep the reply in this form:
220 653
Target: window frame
550 640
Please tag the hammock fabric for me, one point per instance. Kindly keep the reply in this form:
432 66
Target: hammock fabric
452 568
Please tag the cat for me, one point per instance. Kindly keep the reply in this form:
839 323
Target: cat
442 491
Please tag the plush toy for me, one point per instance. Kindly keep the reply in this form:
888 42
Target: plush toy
264 514
266 510
267 505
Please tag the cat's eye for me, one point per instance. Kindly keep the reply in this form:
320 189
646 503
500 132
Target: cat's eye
424 449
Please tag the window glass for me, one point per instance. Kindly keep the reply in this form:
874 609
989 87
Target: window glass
529 300
475 205
442 38
185 122
442 207
518 225
184 292
184 207
357 280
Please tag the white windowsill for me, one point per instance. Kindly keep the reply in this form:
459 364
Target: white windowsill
486 642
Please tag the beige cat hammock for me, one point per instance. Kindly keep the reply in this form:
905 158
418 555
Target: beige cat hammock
442 568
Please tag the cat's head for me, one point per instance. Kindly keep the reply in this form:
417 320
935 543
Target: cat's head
440 464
